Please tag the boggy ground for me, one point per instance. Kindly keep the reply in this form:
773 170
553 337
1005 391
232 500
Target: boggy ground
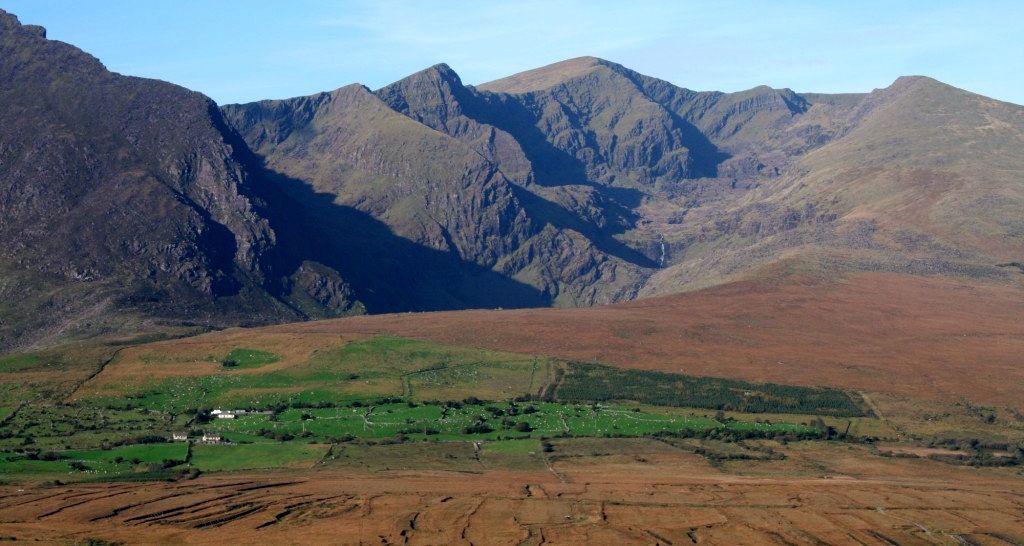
595 491
920 337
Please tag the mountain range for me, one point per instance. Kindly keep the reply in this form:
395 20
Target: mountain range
131 205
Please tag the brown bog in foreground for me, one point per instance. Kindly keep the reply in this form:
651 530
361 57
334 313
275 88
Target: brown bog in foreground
638 492
923 337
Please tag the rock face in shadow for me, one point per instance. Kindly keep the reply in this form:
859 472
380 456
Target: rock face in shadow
435 177
129 204
120 200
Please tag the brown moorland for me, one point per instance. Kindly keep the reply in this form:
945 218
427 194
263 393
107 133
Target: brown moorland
935 338
636 491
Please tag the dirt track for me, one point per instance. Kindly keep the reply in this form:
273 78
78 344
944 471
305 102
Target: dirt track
921 337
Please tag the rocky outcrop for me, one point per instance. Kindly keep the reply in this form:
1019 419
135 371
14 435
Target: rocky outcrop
126 188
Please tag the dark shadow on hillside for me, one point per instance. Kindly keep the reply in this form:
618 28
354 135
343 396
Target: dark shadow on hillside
388 273
219 246
630 198
551 166
706 156
602 238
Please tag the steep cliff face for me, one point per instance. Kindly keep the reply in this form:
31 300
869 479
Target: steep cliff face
121 199
432 189
434 177
614 184
597 114
437 98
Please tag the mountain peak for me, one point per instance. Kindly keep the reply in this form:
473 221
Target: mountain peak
437 86
441 69
916 87
914 82
546 77
913 78
434 75
7 18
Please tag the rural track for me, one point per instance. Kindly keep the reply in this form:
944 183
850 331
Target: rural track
881 417
547 463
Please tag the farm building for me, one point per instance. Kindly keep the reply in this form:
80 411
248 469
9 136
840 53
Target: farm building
211 438
179 436
227 414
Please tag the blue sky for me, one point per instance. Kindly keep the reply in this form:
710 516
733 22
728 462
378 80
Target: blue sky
238 51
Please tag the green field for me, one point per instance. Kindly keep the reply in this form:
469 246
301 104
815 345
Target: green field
455 421
382 366
66 426
248 358
209 458
85 464
377 403
20 362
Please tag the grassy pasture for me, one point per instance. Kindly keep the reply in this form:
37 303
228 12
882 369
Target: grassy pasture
54 426
492 421
376 400
382 366
211 458
249 358
92 463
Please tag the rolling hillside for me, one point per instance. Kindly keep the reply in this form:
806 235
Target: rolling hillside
905 335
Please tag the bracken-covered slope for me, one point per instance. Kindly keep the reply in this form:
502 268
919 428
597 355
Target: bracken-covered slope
908 335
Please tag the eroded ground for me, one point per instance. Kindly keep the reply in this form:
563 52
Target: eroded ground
596 491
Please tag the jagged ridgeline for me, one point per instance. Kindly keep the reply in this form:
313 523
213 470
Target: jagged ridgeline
131 205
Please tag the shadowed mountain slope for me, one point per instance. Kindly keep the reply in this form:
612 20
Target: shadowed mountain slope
120 200
436 190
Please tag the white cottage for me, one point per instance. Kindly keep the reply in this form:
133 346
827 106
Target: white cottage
227 414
